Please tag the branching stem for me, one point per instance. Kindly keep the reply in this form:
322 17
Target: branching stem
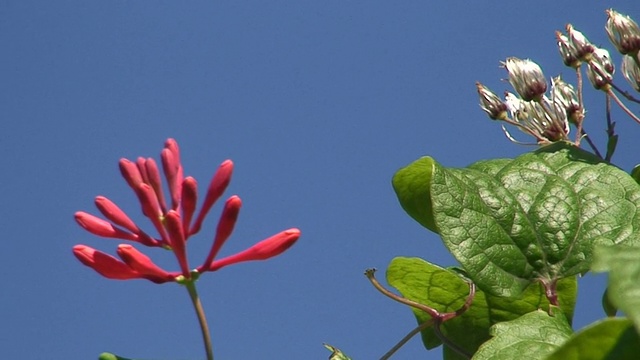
437 318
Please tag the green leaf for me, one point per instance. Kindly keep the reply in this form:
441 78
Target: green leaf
635 173
446 291
336 354
609 339
623 264
110 356
534 218
531 336
608 307
415 198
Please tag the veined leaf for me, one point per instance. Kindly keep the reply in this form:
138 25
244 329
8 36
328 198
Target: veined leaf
444 290
531 336
609 339
623 264
534 218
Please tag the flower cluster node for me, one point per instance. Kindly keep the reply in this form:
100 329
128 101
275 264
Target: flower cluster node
574 47
600 70
544 118
172 218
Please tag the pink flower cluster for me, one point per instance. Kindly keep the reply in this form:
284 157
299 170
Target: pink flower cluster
173 219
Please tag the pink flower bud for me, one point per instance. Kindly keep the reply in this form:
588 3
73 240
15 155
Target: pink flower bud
112 212
140 164
153 174
172 166
217 186
225 228
177 241
188 201
141 264
100 227
130 173
263 250
104 264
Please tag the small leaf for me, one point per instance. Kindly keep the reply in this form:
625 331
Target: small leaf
531 336
412 188
446 291
609 339
110 356
623 264
336 354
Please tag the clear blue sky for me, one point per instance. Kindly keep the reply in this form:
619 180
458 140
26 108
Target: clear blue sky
317 102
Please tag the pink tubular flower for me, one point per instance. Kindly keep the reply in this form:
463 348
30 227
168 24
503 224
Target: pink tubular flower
172 218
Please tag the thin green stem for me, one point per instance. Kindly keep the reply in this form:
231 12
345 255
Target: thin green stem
437 318
408 337
445 340
197 305
612 138
580 120
593 146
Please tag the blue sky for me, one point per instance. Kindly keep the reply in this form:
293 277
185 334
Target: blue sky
318 103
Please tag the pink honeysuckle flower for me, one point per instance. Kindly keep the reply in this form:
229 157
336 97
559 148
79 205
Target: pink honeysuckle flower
173 222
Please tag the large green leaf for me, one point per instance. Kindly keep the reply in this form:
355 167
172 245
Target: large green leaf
534 218
609 339
623 264
531 336
446 291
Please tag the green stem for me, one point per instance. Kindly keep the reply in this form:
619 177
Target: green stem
197 305
408 337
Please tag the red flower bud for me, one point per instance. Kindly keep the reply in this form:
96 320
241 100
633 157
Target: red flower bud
189 201
141 264
130 173
112 212
263 250
104 264
153 174
177 241
225 228
218 185
99 227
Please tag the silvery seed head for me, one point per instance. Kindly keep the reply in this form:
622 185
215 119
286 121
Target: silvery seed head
526 77
623 32
631 71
